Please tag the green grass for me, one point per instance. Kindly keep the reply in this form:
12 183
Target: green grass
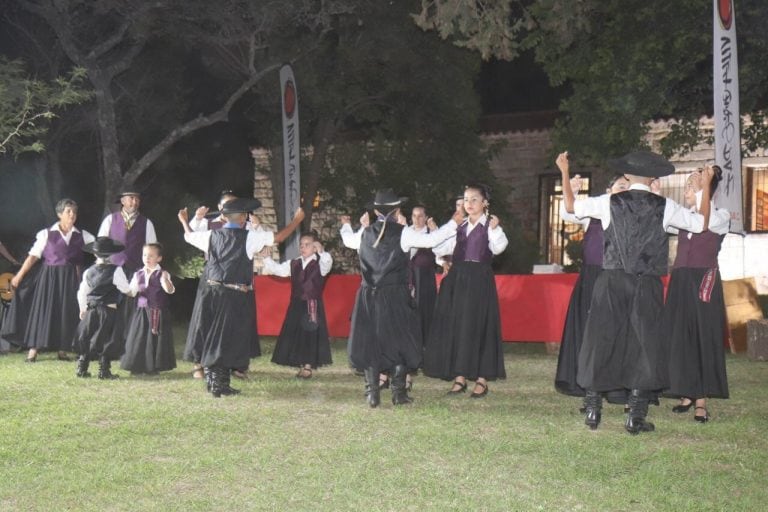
162 443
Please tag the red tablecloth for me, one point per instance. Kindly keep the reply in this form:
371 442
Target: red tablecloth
533 307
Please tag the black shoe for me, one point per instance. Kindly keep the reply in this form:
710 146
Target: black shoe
593 406
699 418
399 391
636 425
480 394
104 370
462 388
372 391
680 408
82 367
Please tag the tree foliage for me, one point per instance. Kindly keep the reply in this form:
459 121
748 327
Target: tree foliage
28 105
626 61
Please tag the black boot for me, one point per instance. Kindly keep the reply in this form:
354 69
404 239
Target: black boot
226 389
593 405
399 392
638 410
372 392
104 369
82 367
208 377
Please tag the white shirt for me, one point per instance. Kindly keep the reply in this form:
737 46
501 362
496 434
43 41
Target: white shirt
408 237
415 230
165 280
497 239
284 269
41 239
674 215
150 236
118 279
254 242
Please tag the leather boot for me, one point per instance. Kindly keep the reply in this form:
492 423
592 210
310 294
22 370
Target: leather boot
216 382
104 369
399 392
593 405
226 389
372 392
208 377
638 410
82 367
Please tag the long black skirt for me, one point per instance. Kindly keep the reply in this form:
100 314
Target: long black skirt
228 327
146 352
385 329
465 337
95 331
573 331
54 313
622 346
193 349
695 331
299 343
425 294
16 315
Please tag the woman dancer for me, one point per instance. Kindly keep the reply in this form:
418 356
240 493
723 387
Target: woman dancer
465 338
694 314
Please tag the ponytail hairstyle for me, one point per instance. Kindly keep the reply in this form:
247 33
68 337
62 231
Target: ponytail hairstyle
716 179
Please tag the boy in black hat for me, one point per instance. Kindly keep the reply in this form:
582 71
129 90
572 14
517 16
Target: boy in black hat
385 333
622 346
227 303
98 297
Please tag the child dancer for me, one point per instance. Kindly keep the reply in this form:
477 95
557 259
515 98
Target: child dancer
98 298
149 344
227 303
465 339
303 339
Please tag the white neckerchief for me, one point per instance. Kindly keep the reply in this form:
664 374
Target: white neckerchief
482 220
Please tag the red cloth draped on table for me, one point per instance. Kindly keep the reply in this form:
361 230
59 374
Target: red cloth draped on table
533 307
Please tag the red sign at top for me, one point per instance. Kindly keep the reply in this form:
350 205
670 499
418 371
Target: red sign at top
289 99
725 10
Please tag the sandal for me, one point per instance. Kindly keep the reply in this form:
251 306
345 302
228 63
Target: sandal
482 393
383 382
304 373
61 356
461 389
238 374
198 372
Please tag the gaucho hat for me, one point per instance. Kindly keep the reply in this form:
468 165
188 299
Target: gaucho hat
104 246
642 163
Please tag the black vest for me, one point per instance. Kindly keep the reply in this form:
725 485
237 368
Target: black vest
635 240
227 259
387 263
103 291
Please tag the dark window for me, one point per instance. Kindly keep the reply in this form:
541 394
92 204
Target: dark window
556 233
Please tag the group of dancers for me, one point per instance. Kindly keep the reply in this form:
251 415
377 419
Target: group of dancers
613 344
621 340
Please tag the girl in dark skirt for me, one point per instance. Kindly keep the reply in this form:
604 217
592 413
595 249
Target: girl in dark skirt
578 307
694 314
303 340
149 344
465 339
53 310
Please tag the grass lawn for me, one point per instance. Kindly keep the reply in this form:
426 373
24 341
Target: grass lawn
162 443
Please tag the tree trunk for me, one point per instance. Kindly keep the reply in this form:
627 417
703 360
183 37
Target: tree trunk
321 141
110 146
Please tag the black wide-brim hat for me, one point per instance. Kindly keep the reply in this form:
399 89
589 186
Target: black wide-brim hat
385 197
128 192
104 246
642 163
240 205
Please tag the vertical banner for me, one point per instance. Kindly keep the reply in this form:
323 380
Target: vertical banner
726 111
291 183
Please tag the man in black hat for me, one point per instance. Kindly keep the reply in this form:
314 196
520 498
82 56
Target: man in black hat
622 346
385 333
98 297
227 302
